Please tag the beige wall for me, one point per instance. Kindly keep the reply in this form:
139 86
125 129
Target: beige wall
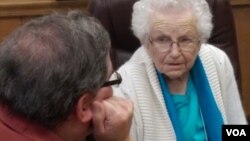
16 12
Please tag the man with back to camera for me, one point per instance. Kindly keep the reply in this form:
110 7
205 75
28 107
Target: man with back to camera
53 82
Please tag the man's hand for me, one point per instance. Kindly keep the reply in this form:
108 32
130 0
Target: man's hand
112 119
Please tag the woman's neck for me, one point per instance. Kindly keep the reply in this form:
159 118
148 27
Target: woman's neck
177 86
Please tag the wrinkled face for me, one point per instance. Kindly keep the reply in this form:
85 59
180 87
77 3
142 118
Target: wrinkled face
173 42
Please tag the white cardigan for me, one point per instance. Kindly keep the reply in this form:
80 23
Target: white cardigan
140 84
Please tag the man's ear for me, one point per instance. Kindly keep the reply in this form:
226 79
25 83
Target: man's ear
83 107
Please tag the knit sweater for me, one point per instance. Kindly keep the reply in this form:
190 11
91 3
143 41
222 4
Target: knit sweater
140 84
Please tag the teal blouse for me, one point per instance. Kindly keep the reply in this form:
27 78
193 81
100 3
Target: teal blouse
194 115
189 115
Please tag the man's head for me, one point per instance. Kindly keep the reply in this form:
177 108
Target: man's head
49 63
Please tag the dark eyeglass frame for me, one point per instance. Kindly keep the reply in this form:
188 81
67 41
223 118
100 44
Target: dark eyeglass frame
113 82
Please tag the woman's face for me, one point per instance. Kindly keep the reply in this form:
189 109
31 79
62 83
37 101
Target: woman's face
173 43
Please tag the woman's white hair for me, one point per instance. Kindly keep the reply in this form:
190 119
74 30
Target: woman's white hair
143 10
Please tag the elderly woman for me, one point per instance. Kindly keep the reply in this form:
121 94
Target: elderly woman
182 87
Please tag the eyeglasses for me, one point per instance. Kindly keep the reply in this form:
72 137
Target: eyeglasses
164 44
115 79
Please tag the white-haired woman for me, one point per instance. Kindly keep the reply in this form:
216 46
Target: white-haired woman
182 87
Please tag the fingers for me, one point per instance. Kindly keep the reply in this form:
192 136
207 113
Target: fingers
98 116
112 119
118 108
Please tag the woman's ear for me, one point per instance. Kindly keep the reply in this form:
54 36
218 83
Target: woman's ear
83 107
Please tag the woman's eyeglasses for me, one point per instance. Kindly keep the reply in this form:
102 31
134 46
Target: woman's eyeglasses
115 79
164 44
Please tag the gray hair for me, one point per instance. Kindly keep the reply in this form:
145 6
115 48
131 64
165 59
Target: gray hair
143 9
49 62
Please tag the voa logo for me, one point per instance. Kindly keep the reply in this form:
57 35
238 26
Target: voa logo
236 132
